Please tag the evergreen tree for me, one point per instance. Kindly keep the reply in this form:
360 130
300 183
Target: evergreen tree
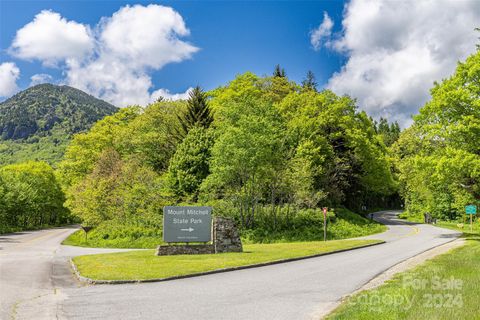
389 132
198 113
383 126
279 72
309 83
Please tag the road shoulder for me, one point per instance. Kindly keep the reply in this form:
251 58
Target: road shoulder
388 274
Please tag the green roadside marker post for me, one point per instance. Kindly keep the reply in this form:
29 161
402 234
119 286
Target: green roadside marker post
471 210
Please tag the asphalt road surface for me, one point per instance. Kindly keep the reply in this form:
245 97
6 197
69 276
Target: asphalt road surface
36 281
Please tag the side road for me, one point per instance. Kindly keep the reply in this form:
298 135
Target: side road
34 271
36 281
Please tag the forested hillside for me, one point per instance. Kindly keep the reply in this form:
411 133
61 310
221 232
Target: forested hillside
38 123
264 150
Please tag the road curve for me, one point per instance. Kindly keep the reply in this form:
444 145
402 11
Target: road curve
34 272
294 290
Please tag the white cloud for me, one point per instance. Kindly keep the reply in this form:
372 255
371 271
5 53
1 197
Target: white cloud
397 49
128 46
147 36
166 94
111 80
51 38
321 33
40 78
9 74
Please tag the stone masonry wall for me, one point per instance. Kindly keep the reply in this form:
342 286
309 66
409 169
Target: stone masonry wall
225 239
170 250
225 235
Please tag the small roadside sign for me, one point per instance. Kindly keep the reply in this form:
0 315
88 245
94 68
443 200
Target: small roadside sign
471 209
86 229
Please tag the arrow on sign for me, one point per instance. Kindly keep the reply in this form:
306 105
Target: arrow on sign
189 229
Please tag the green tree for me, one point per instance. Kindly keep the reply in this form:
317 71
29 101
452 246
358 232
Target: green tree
122 191
356 169
246 153
86 148
198 112
279 72
306 174
309 83
438 157
31 196
275 89
190 164
153 135
389 132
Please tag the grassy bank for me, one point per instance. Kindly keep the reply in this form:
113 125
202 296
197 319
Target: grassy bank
446 287
342 224
135 265
461 225
305 226
117 236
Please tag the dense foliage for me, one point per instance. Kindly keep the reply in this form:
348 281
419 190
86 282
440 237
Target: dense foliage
37 123
389 132
439 156
190 165
263 150
30 197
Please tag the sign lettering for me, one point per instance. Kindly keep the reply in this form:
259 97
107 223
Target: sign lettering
187 224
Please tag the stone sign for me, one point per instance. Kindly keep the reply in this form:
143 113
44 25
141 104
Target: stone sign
225 235
225 239
187 224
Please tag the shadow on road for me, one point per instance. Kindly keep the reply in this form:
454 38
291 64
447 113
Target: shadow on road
449 235
391 218
8 240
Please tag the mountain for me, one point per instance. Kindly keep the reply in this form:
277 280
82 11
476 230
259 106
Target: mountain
37 123
37 110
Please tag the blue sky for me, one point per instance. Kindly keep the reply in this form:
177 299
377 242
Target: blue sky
233 37
386 54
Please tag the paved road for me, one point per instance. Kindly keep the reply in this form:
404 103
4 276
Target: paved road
34 273
36 284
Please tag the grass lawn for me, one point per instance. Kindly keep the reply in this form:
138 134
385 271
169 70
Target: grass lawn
446 287
142 242
141 265
467 233
462 226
